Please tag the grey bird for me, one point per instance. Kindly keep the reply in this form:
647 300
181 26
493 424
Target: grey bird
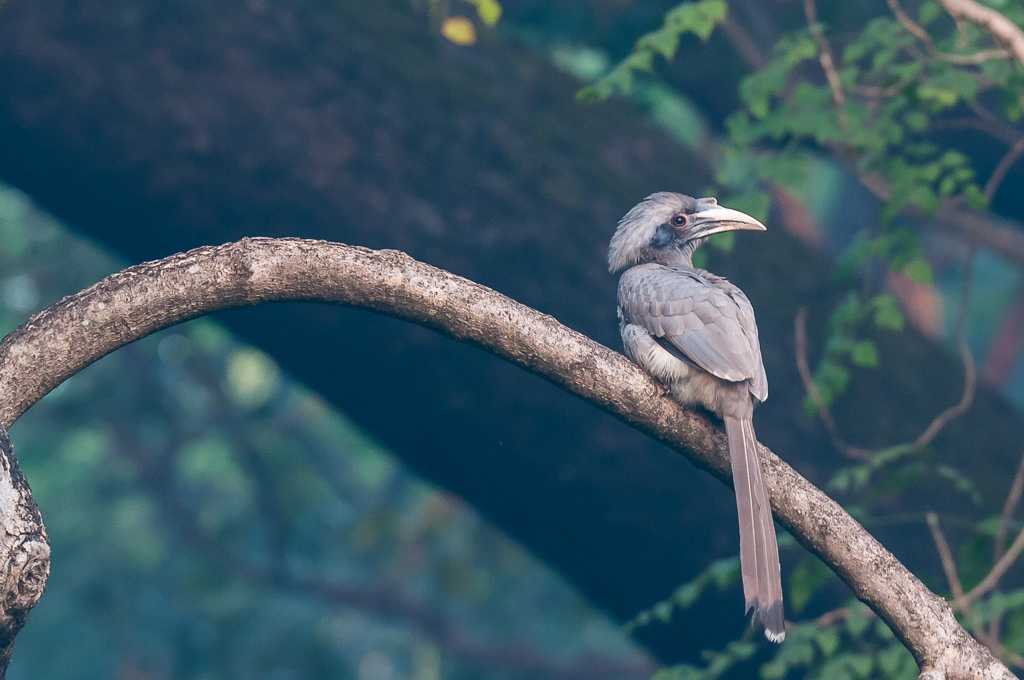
695 333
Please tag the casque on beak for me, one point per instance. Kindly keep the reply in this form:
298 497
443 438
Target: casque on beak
717 219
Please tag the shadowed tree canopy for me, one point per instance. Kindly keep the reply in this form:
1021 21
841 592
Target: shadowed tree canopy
156 127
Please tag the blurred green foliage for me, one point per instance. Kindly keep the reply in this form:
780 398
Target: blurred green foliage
870 102
211 519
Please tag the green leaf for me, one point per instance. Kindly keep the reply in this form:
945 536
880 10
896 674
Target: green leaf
759 89
888 315
828 641
918 270
864 354
489 11
857 624
699 18
861 665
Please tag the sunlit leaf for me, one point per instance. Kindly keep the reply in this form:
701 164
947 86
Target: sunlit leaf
459 30
489 11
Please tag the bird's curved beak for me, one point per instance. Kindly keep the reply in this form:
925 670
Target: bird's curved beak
717 219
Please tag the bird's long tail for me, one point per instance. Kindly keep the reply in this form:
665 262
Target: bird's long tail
759 552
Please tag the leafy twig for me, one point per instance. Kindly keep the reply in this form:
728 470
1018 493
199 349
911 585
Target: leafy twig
802 367
1004 31
921 34
994 575
939 422
1005 163
1009 507
966 358
828 64
999 544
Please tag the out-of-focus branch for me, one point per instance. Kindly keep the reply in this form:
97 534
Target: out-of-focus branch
921 34
1004 31
945 556
970 371
802 367
914 28
827 61
1012 155
999 544
935 427
994 575
1005 237
1009 507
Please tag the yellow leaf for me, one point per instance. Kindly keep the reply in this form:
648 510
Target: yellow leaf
459 30
489 11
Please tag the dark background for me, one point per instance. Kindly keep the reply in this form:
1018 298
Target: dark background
307 491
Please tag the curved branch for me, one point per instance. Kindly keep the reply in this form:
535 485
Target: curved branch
1004 31
24 551
80 329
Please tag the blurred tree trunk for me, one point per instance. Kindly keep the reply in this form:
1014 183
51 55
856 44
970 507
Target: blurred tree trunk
155 127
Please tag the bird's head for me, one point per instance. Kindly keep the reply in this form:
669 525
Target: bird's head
667 227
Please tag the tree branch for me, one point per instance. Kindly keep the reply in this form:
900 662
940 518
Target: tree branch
921 34
945 555
827 61
1012 155
1004 31
24 551
80 329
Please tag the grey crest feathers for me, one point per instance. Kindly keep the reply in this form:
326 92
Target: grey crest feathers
631 242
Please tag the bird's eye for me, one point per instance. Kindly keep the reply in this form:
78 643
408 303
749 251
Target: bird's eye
679 220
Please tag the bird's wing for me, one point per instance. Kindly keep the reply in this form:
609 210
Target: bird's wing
711 325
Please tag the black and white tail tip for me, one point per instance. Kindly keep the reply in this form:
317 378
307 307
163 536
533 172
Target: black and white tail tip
771 618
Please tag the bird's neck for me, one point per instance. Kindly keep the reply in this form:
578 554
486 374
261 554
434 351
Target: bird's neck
680 255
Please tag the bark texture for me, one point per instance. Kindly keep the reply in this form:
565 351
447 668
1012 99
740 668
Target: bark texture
79 329
24 551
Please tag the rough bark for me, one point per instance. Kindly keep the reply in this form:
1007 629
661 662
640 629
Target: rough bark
24 551
74 332
156 127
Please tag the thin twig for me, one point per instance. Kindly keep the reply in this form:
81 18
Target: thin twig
841 614
1002 30
802 367
999 544
826 59
921 34
744 44
993 577
914 28
831 617
946 557
1005 163
973 59
1009 507
994 129
940 421
970 369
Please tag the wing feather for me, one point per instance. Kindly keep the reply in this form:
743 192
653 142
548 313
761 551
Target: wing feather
707 319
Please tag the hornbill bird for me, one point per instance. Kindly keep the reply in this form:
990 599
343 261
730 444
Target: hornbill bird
695 333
